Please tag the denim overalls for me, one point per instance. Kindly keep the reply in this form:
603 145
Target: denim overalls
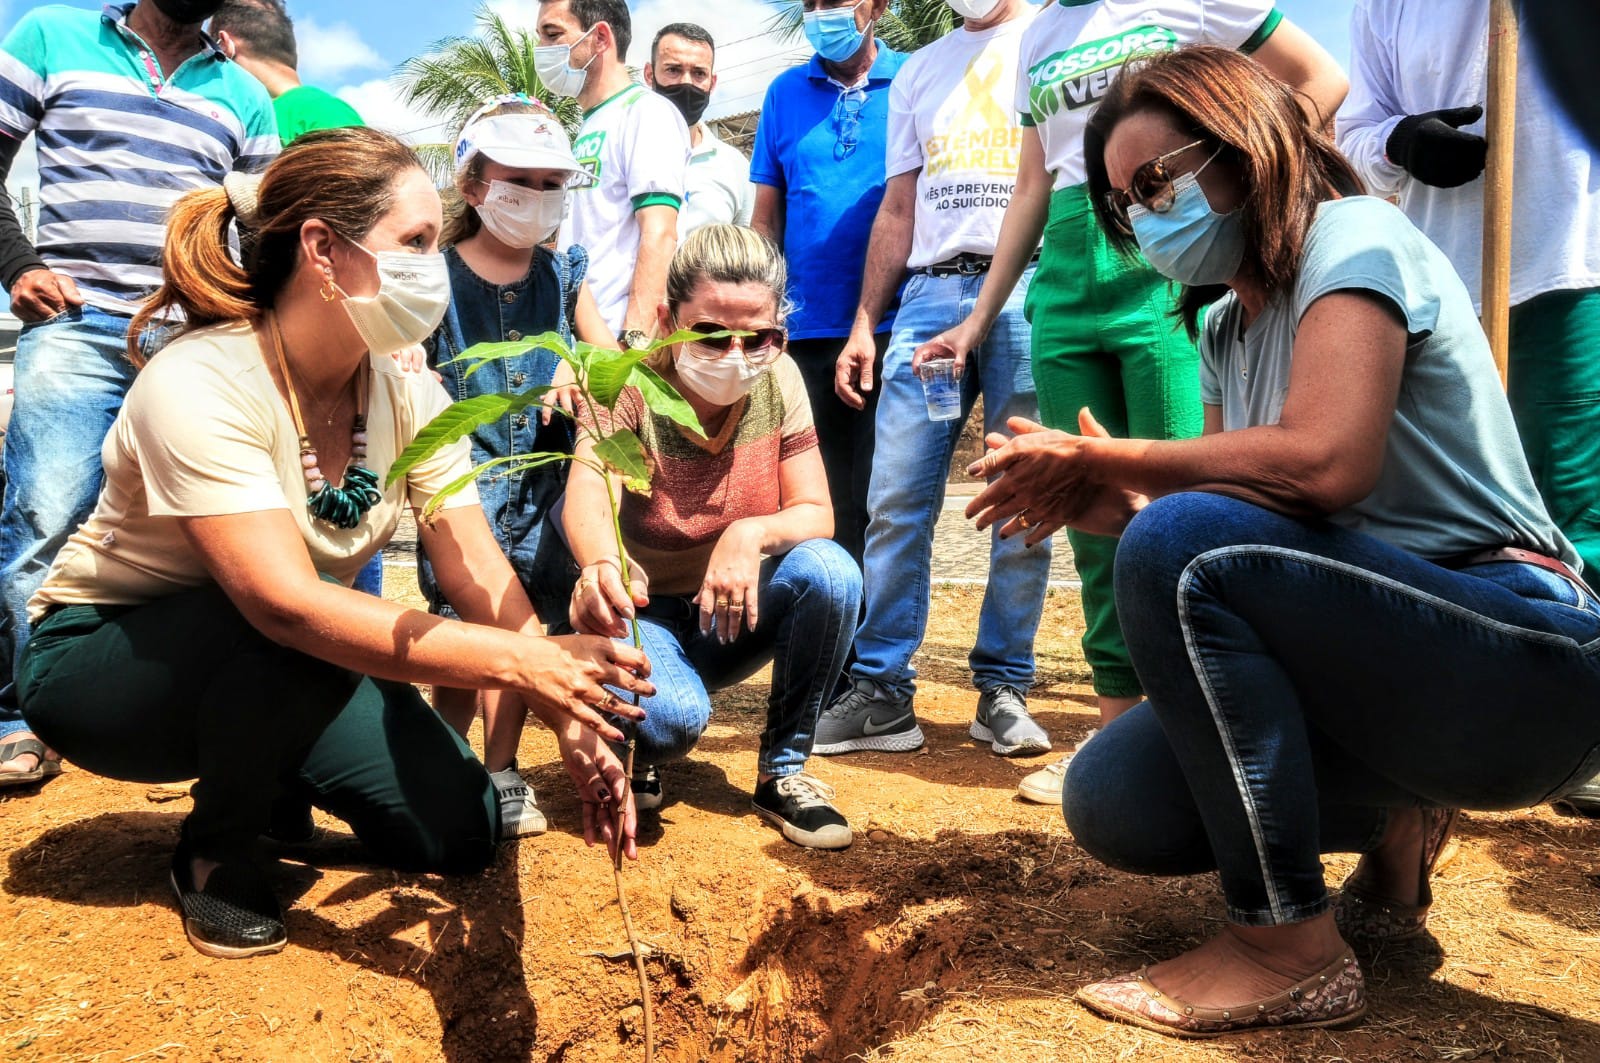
519 510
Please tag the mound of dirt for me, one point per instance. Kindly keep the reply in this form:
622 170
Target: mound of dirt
956 928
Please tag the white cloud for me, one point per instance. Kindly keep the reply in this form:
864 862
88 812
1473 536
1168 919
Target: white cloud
329 52
380 104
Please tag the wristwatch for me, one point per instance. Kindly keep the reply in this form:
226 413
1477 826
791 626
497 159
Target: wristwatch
634 340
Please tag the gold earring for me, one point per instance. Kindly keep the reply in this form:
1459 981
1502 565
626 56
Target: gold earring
328 294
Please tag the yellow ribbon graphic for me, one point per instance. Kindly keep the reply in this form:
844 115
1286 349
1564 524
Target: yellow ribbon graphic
983 110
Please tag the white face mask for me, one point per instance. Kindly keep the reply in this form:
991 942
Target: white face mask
717 376
522 217
553 64
977 10
413 295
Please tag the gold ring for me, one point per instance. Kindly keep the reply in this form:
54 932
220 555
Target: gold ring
1023 522
587 581
608 702
737 605
722 603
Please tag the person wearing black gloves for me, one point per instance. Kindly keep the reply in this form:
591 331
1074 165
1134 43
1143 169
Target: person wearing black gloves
1434 149
682 68
131 107
1412 127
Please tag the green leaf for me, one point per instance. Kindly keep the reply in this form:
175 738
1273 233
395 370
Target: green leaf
520 463
457 421
607 372
481 354
623 455
663 398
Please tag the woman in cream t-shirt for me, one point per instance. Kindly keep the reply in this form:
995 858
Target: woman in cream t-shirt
244 490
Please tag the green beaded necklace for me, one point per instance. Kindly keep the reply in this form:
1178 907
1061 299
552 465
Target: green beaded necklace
342 507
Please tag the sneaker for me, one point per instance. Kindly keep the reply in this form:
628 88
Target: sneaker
1044 786
867 717
646 785
1004 723
235 916
519 811
799 805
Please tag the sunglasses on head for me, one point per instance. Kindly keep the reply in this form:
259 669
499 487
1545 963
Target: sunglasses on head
760 346
1150 188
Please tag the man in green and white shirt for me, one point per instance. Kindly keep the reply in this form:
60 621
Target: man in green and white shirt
635 146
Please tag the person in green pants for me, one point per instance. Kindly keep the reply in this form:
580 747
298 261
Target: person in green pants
1106 336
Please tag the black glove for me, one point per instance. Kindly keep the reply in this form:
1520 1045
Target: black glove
1432 148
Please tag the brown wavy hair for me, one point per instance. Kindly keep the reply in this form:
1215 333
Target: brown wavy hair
1286 164
345 177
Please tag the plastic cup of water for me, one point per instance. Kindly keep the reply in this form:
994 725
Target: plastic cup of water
941 388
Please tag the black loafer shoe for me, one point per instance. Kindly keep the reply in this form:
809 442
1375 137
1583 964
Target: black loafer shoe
1584 801
235 916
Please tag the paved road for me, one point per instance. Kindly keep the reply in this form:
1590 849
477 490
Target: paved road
960 553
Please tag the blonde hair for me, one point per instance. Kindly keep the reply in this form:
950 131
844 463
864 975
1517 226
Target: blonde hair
723 254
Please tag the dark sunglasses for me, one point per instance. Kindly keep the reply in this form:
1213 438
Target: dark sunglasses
759 347
1151 188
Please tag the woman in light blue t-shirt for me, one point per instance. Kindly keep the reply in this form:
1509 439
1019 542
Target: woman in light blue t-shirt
1347 604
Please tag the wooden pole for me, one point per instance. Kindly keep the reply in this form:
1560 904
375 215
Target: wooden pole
1500 130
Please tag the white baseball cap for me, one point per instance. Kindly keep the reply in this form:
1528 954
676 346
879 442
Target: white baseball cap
532 140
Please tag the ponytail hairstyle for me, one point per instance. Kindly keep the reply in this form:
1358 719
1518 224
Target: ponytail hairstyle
1287 165
343 177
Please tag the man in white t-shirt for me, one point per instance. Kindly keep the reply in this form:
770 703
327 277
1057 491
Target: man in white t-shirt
634 145
682 68
953 152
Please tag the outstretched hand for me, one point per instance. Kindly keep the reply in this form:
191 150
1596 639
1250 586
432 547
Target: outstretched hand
602 787
1039 482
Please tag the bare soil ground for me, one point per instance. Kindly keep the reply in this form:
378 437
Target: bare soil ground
956 928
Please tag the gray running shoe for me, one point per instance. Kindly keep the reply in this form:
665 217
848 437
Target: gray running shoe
1004 723
867 717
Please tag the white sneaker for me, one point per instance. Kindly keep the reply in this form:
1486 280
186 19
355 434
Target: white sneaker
519 813
1044 786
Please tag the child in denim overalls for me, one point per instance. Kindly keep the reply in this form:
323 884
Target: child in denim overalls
513 166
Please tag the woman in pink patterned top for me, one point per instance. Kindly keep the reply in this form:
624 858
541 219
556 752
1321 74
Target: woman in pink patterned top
734 536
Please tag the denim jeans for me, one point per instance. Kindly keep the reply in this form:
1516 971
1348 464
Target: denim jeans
1303 679
72 372
909 471
809 600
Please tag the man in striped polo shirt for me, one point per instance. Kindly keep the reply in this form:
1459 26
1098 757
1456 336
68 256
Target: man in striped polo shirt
131 107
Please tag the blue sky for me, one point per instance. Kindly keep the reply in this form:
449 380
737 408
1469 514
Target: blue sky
353 46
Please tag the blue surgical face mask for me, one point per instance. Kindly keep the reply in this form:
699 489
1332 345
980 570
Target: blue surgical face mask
833 33
1191 243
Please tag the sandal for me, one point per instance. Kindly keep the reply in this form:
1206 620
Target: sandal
1365 917
1334 996
21 747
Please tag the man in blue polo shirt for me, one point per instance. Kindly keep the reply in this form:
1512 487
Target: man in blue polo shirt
818 167
131 107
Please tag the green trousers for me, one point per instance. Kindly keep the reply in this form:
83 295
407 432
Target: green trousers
184 687
1554 377
1105 337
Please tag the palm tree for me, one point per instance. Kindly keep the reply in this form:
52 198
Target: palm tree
905 27
455 77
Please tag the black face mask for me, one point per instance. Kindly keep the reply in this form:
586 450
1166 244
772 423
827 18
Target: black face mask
691 102
188 12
